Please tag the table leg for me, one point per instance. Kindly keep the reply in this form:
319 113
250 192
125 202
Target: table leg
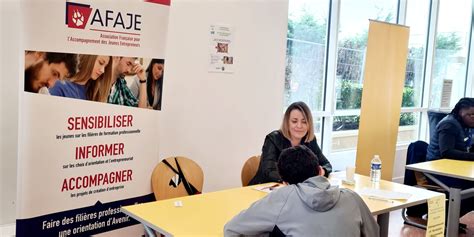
149 231
453 212
383 221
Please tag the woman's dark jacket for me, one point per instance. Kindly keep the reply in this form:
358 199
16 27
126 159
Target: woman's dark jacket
274 143
452 140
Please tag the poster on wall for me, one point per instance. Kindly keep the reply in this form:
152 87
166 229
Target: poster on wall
90 98
221 48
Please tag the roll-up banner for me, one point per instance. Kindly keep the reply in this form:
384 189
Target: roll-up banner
90 99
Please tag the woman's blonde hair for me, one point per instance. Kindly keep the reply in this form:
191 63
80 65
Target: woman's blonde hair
304 109
96 90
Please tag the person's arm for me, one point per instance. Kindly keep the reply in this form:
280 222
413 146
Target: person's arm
142 96
269 159
447 146
321 158
260 217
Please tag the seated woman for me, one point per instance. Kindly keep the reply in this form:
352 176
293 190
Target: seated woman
453 139
92 82
154 84
296 129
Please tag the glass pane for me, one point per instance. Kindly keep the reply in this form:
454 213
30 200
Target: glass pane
417 20
452 41
306 49
342 123
352 42
408 130
345 131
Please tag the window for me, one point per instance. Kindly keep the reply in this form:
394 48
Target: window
417 19
306 51
351 46
325 63
451 50
417 16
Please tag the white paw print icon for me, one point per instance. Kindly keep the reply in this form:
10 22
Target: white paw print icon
78 18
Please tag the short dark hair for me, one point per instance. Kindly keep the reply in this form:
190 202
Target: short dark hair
297 164
69 60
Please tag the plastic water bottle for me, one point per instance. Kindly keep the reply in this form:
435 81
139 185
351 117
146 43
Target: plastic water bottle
375 169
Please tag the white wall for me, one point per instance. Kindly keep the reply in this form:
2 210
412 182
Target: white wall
219 120
9 81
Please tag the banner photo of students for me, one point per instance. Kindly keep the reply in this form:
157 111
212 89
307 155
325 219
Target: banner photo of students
89 101
100 78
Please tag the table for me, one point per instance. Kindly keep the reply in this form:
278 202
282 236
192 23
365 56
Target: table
380 208
449 168
206 214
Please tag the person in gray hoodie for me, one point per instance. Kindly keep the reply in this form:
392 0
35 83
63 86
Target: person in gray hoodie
307 206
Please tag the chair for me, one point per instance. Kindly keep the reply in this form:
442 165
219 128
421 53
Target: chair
416 153
434 117
176 177
249 170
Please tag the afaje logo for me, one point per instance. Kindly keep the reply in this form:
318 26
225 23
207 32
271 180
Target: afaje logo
77 15
78 18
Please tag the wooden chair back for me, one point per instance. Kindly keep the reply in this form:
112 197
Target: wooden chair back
249 169
167 184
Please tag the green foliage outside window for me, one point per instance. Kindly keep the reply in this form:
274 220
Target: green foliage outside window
305 61
351 97
449 41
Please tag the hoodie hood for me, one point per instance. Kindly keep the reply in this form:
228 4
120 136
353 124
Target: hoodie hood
318 194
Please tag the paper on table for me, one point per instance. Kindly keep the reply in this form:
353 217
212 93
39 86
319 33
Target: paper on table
386 194
269 188
435 225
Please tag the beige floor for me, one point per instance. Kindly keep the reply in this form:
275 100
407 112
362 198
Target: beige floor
398 229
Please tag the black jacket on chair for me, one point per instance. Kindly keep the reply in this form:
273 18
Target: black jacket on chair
416 153
274 143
